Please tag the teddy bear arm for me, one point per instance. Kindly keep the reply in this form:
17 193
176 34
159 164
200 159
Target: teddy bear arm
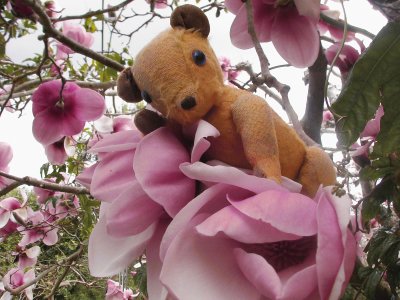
147 121
254 122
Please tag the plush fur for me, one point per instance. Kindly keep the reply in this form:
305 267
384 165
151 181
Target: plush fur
252 134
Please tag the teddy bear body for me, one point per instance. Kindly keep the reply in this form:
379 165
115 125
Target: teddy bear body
180 76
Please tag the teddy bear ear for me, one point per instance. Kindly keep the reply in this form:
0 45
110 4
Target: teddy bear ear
127 88
190 17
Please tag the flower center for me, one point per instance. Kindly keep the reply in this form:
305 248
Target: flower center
284 254
60 104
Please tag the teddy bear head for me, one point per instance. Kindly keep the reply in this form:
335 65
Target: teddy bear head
177 72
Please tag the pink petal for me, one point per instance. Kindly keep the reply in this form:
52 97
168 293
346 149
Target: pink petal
86 105
10 204
295 37
299 216
33 252
194 264
155 289
200 144
260 273
132 212
4 218
123 123
233 5
301 285
109 255
308 8
51 237
373 126
120 141
71 125
6 155
214 194
161 173
113 175
55 153
85 177
241 228
235 177
46 127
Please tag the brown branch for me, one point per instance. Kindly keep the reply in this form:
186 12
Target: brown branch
340 24
271 81
50 31
69 259
43 184
94 13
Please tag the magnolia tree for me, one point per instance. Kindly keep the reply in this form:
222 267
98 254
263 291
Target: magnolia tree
119 215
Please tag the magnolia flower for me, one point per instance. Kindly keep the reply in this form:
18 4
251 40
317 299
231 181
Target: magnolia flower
15 278
256 239
6 155
227 69
346 59
22 10
8 207
27 257
292 29
38 228
76 33
115 292
160 4
51 9
55 118
327 116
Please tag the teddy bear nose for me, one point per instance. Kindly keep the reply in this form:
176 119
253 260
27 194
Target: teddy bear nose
188 103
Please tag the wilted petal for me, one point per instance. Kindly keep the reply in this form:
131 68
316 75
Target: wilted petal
202 262
132 212
299 216
109 255
161 173
295 37
241 228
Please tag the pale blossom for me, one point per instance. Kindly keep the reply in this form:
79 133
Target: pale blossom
55 118
27 257
16 278
76 33
6 155
291 28
8 207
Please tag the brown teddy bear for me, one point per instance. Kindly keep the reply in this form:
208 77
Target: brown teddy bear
180 76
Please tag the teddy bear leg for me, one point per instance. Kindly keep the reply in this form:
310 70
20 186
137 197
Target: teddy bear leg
147 121
317 169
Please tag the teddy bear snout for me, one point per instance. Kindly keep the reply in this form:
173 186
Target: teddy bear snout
188 103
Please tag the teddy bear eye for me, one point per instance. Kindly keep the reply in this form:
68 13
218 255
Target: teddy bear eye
199 57
146 96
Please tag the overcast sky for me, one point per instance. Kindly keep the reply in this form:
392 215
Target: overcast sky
29 155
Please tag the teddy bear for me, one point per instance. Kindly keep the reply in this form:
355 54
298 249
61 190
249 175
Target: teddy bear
179 75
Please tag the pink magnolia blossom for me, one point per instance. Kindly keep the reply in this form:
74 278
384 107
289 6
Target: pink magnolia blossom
27 257
22 10
8 224
56 153
6 155
159 4
346 59
257 240
15 278
227 70
38 229
292 29
55 118
327 116
77 33
115 292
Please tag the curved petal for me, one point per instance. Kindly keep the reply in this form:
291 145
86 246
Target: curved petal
260 273
4 218
132 212
46 127
109 255
241 228
308 8
6 154
235 177
301 285
200 144
50 237
70 124
191 257
55 153
214 194
300 211
155 289
119 141
295 37
10 203
161 173
86 105
113 174
85 177
233 5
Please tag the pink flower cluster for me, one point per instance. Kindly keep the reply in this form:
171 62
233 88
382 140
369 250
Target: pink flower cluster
115 292
61 110
236 236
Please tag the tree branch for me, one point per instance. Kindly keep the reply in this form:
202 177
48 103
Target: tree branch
340 24
50 31
42 184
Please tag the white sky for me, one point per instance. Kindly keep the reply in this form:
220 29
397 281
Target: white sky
29 154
